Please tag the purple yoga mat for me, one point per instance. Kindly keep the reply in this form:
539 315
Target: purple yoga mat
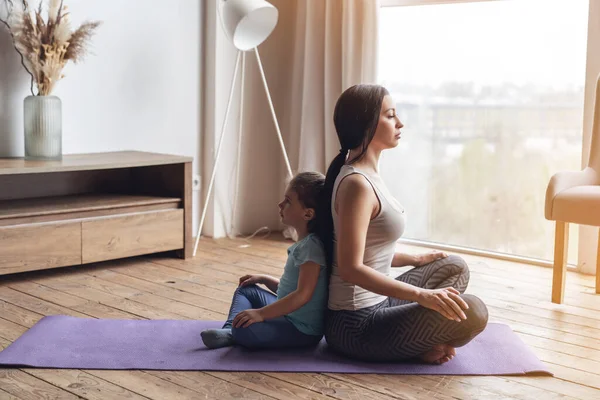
70 342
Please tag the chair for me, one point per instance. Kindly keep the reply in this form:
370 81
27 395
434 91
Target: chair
574 197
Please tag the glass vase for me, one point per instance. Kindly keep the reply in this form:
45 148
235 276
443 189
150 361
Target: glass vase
43 128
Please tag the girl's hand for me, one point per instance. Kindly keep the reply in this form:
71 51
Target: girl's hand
446 301
246 318
424 259
250 280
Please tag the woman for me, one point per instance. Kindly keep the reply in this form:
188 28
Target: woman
372 316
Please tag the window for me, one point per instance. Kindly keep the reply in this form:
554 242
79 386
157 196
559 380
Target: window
491 95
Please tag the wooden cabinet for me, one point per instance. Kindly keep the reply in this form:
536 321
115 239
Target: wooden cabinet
95 207
131 235
34 246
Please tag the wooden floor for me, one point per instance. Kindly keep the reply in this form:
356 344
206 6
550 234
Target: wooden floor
566 337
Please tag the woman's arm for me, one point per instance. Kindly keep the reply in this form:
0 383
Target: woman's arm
356 206
307 282
416 260
403 260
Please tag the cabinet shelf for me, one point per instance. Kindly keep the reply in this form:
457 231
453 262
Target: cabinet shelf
25 208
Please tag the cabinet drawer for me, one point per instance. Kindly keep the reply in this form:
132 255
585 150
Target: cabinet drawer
39 246
131 235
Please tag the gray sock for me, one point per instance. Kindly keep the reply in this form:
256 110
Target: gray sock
215 338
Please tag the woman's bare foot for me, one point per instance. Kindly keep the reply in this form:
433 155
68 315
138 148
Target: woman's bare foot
439 354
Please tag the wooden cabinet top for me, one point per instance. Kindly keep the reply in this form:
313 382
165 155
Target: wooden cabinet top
91 161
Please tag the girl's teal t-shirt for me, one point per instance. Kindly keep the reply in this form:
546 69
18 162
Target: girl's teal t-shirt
308 319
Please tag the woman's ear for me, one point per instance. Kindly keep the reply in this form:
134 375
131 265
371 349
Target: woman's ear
309 213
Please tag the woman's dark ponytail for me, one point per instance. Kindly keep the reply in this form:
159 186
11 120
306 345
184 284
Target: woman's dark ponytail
325 213
355 118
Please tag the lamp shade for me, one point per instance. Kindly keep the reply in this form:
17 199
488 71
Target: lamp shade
247 23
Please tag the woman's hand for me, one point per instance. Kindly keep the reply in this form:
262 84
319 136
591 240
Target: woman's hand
446 301
424 259
251 280
246 318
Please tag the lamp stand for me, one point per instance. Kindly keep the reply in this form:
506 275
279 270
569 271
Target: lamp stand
241 55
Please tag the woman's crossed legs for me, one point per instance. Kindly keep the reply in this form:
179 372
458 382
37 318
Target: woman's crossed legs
398 329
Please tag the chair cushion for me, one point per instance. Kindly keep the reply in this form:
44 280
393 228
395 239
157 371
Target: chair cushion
579 205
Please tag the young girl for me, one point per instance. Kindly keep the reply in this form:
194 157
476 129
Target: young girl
295 316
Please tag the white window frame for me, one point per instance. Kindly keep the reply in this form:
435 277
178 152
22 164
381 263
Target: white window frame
588 236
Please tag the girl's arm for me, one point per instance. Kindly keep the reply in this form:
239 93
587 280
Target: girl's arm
307 282
270 282
357 205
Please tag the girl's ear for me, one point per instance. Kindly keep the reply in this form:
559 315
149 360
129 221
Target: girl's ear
309 213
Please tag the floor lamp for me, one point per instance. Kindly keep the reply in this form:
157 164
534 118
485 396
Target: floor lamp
247 23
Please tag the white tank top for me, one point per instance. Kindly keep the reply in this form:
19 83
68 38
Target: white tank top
382 234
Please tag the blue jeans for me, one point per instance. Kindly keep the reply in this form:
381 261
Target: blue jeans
273 333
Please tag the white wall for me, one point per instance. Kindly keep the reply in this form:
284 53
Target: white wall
219 61
138 89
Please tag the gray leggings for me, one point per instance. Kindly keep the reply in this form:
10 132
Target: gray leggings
396 329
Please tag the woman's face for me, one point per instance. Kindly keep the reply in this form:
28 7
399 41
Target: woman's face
387 133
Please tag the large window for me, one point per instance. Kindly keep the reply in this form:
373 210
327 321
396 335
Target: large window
491 96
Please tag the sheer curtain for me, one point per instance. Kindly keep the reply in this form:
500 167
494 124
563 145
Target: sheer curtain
334 47
318 49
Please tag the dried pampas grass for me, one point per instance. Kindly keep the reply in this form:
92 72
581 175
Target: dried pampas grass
47 45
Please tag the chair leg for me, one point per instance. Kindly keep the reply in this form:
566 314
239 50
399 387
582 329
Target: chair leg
561 241
598 267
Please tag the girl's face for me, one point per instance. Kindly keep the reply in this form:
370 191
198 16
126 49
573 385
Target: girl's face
292 212
387 133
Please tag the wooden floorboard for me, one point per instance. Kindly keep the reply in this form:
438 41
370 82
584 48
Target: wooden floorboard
566 337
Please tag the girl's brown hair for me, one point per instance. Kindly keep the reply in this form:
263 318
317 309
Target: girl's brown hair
309 187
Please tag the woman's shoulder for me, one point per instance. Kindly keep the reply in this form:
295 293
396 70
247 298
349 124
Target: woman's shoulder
349 170
350 175
354 187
